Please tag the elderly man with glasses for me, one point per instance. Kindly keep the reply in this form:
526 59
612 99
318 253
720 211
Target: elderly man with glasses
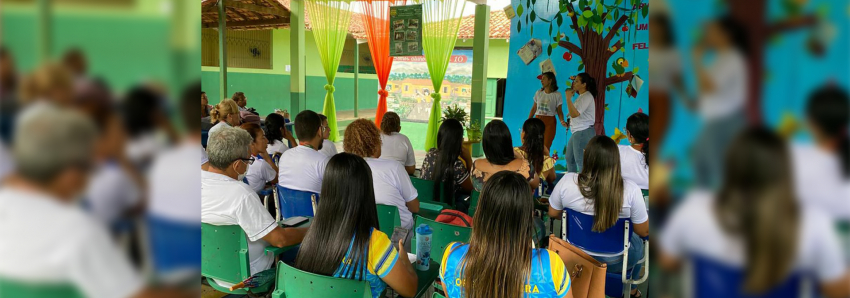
226 200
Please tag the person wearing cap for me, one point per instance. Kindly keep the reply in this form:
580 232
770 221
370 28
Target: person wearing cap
547 104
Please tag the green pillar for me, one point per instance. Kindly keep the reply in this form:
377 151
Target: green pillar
356 74
44 29
297 58
480 49
222 51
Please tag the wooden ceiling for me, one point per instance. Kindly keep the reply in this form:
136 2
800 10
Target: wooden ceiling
246 14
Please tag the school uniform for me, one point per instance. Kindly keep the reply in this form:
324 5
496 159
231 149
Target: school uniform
328 148
393 187
110 193
381 258
276 146
302 168
217 126
259 173
396 146
634 166
174 193
819 181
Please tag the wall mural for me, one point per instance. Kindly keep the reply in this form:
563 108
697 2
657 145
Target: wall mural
409 86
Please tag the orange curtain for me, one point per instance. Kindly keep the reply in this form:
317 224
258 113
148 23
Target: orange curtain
376 19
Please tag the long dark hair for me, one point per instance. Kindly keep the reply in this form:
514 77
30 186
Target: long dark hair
347 210
736 33
497 143
828 111
274 124
554 82
499 258
601 181
756 203
449 145
666 29
638 127
532 142
590 82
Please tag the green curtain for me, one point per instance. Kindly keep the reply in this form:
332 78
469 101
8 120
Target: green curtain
330 21
439 34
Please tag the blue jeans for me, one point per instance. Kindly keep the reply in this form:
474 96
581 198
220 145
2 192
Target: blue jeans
575 148
615 264
709 148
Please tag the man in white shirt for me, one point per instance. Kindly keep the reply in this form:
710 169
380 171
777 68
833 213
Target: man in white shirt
327 148
226 200
47 238
302 168
241 101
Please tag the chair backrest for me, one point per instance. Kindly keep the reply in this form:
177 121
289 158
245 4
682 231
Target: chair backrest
443 235
425 189
579 233
173 244
295 202
298 283
473 202
12 288
714 279
205 135
388 218
224 253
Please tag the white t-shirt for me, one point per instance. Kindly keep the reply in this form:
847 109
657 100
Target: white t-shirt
174 194
664 66
633 166
204 157
818 180
276 146
48 241
547 103
302 168
7 164
393 187
216 127
328 148
586 106
110 193
568 196
693 229
397 147
728 71
260 173
225 201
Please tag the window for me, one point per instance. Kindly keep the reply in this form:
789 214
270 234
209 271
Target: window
463 90
390 87
445 89
245 49
406 88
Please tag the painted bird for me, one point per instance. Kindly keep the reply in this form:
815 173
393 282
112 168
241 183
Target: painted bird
618 136
620 66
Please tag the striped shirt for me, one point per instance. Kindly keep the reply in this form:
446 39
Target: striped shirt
381 256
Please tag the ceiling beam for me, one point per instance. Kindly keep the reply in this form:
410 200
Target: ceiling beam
256 8
277 21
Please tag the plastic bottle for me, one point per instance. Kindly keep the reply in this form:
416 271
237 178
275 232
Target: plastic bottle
423 247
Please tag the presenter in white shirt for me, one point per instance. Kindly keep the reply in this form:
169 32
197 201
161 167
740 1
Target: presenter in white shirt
547 104
582 116
634 158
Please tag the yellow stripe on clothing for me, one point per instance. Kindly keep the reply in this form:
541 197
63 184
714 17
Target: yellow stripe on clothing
559 273
382 254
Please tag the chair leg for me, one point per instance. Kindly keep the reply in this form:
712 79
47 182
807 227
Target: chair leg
277 204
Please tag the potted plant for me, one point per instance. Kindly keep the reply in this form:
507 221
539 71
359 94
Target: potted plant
455 112
473 131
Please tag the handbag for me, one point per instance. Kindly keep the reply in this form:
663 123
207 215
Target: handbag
587 275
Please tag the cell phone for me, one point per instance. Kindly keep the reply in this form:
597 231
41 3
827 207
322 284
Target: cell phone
294 221
399 233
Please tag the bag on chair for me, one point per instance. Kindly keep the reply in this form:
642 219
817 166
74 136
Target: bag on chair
587 275
454 217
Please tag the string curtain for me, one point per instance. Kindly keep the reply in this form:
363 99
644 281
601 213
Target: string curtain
376 20
439 33
330 20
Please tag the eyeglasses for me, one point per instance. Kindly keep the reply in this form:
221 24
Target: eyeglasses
249 161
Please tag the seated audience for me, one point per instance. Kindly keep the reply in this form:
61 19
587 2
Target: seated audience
277 134
226 200
301 168
396 146
634 157
205 112
534 151
344 240
754 223
449 164
71 248
391 182
601 191
499 256
500 156
263 171
327 148
241 101
225 113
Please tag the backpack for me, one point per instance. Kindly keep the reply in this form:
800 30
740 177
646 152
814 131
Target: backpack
455 218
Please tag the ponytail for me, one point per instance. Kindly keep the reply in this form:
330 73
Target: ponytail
215 114
590 82
533 142
223 109
638 126
828 109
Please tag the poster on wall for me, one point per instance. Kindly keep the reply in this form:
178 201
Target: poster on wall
406 28
410 86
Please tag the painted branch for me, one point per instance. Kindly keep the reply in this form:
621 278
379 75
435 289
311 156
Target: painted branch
617 26
572 47
608 52
791 24
615 79
574 18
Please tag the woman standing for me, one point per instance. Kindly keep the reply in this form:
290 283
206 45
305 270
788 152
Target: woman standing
583 114
547 104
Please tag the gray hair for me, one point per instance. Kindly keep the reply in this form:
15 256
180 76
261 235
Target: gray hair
227 145
49 140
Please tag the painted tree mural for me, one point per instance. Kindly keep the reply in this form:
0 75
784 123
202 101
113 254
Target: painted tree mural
596 41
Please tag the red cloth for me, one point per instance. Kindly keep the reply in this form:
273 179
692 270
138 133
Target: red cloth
376 16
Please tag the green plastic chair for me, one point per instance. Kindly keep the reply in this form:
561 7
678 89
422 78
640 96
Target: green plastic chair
293 283
12 288
473 202
437 295
443 235
645 193
224 257
388 218
425 189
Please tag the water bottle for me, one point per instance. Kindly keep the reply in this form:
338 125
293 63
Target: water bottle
423 247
